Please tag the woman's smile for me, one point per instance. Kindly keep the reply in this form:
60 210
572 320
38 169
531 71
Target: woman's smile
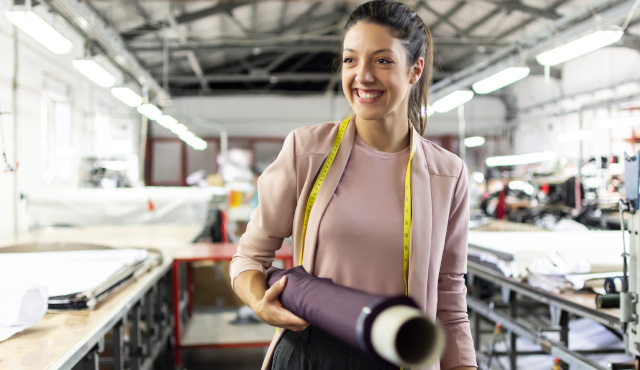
368 96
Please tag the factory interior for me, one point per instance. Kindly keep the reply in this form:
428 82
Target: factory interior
135 135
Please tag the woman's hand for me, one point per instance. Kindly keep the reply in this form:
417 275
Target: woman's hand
251 287
270 310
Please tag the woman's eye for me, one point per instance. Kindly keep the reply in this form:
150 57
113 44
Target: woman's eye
384 61
347 60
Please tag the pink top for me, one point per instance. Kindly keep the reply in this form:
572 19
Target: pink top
354 246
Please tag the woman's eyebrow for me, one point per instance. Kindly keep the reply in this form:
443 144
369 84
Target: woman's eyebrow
375 52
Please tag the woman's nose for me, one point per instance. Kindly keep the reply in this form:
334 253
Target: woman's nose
364 74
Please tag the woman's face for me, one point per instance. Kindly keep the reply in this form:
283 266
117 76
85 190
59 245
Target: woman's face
376 76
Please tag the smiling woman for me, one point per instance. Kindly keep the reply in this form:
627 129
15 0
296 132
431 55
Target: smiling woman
369 203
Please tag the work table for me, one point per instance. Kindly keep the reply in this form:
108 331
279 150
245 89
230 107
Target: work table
61 339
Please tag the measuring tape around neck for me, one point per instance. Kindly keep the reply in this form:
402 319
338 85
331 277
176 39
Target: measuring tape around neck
407 196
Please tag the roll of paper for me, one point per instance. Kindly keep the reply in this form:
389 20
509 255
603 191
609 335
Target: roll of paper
22 304
391 329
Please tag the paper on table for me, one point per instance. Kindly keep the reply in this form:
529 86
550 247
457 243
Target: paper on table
67 273
22 304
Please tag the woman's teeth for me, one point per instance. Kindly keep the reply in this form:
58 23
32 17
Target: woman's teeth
368 95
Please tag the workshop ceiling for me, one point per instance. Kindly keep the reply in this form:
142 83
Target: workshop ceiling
195 48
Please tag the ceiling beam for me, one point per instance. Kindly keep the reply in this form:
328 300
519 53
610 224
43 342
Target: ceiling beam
449 14
480 22
255 77
528 21
301 19
440 16
191 55
549 13
155 25
325 43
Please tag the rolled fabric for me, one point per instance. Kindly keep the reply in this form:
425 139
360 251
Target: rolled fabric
392 329
610 300
613 284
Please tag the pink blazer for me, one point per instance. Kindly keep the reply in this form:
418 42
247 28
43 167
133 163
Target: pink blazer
440 210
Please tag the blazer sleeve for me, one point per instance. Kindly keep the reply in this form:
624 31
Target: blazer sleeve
272 220
452 291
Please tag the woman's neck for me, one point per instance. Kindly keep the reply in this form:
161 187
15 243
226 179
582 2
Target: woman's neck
386 135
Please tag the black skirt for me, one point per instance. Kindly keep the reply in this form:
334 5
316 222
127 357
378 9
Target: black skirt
315 349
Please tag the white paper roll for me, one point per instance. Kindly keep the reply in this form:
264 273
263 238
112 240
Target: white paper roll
22 304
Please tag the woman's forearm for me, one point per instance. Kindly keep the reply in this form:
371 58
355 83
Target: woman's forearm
250 287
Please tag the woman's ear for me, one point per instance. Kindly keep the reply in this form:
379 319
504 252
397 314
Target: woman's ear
416 70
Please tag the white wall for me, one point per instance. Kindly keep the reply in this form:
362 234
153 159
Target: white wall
38 72
603 75
254 116
276 116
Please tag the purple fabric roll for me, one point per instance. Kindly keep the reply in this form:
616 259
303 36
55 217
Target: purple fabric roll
344 312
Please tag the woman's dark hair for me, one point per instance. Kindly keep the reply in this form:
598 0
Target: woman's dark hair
407 26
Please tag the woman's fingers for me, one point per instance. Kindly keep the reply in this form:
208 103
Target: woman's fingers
276 314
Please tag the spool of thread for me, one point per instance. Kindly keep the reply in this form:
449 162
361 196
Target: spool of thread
611 300
613 284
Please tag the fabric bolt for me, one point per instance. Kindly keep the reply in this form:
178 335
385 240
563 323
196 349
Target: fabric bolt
344 312
440 223
347 235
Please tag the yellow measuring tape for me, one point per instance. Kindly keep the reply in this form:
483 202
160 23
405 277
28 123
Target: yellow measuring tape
321 176
407 196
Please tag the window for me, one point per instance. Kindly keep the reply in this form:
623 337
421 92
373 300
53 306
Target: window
58 154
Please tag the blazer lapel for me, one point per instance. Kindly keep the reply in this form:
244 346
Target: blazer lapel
421 225
325 194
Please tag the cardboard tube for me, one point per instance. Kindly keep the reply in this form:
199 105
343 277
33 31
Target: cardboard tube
403 336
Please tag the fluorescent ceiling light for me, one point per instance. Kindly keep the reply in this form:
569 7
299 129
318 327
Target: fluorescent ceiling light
579 47
186 136
30 23
452 100
579 135
127 96
500 79
514 160
167 121
614 122
193 141
150 111
95 72
198 144
179 128
474 141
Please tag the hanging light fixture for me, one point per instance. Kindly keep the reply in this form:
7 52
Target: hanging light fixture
127 96
500 79
474 141
95 72
23 17
150 111
453 100
581 46
518 159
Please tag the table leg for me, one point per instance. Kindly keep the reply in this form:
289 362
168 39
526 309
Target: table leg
176 313
190 288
